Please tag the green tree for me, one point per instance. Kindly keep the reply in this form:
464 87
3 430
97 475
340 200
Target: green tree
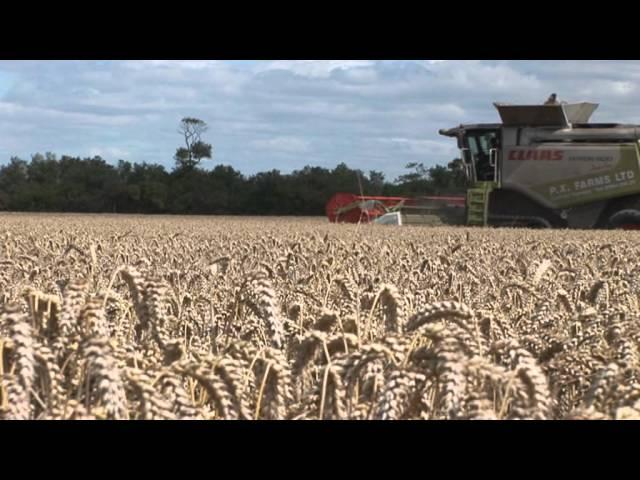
416 182
433 180
376 181
13 184
189 157
74 184
456 166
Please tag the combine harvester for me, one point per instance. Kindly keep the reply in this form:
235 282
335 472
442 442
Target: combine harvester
544 166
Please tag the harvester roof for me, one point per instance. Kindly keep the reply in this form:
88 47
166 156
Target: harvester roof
564 121
559 116
455 132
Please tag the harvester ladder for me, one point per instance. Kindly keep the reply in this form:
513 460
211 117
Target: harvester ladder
478 203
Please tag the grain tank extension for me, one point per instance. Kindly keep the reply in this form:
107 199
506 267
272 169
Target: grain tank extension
547 166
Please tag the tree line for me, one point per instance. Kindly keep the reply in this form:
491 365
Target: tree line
72 184
47 183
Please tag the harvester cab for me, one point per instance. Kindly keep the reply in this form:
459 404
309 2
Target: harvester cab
547 166
479 148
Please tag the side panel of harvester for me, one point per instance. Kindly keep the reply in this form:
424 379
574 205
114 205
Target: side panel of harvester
560 175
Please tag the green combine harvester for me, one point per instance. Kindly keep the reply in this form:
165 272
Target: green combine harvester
547 166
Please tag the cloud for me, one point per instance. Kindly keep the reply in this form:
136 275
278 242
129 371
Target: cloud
284 144
109 152
312 68
286 114
422 147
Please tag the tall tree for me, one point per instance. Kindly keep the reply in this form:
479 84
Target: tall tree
376 180
192 130
434 180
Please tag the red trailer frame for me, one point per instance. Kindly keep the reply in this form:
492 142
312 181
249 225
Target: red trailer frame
350 208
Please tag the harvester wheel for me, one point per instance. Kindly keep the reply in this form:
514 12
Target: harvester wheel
627 219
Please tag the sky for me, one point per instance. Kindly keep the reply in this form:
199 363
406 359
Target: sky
285 114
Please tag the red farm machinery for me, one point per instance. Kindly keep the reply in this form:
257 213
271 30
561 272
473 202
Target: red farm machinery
350 208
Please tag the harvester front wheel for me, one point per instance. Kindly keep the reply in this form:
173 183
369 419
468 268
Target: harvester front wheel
628 219
622 214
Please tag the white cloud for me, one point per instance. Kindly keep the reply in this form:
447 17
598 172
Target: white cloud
422 147
313 68
286 114
360 74
284 144
491 77
188 64
109 153
77 119
623 88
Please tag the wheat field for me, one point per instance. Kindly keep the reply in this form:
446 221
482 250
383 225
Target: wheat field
138 317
